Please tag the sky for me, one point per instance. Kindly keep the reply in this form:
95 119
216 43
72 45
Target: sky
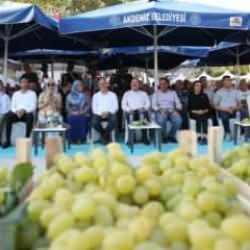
240 5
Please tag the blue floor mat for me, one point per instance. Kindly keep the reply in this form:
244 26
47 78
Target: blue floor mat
139 149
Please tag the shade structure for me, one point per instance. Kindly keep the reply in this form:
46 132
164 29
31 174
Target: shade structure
26 27
49 55
143 56
158 22
24 23
227 54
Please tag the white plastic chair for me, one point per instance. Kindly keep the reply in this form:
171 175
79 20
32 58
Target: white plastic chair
18 131
192 124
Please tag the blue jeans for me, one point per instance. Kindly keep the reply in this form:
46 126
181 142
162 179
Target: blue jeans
225 118
175 120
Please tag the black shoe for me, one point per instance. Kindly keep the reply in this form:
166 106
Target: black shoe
6 145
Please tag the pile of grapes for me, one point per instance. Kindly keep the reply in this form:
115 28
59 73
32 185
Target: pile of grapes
101 202
237 162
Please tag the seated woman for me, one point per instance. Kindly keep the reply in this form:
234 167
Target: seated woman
199 110
78 113
49 104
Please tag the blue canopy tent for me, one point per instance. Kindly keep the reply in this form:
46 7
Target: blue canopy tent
158 22
227 54
143 56
49 55
19 20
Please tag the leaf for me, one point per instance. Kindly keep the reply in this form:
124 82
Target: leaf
21 174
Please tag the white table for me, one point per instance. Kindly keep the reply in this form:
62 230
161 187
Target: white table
61 130
151 126
238 125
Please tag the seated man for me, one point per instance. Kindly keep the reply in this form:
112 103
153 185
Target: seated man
167 105
23 106
104 107
227 103
4 108
136 104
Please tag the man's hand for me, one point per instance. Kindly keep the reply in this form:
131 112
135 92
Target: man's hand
20 113
104 115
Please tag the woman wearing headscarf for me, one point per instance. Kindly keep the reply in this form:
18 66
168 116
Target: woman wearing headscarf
78 113
49 102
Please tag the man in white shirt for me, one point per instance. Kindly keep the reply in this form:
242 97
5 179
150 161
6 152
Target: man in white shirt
227 103
167 106
136 104
4 108
23 106
104 108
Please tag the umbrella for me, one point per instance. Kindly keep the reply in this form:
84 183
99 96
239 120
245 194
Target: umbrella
19 20
227 54
158 22
143 56
49 55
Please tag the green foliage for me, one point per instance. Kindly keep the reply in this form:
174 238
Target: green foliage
21 175
70 7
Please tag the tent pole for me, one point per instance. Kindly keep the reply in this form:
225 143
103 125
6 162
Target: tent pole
5 60
52 71
146 70
156 64
238 61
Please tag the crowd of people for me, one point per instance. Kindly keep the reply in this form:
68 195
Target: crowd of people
106 106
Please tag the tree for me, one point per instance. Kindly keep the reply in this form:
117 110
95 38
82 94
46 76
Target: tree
71 7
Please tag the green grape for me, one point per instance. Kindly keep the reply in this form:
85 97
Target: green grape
118 239
84 175
105 199
103 216
63 198
60 224
126 211
125 184
141 195
141 228
202 237
153 210
48 215
35 209
143 174
188 211
153 186
93 237
214 219
175 231
227 244
84 208
158 236
207 202
237 227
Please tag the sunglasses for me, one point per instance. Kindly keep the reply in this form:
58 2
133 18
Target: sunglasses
51 85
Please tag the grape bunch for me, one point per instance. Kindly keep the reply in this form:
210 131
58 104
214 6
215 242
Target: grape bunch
237 162
101 201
